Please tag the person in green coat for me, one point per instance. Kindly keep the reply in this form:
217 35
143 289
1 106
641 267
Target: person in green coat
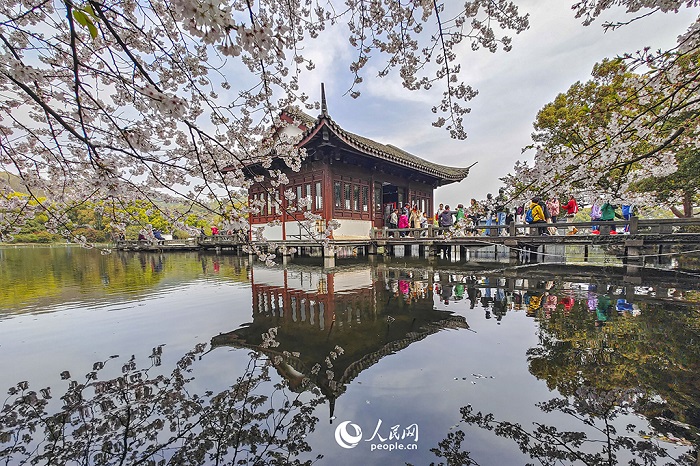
460 212
608 213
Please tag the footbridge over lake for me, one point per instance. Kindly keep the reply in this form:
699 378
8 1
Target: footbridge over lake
641 239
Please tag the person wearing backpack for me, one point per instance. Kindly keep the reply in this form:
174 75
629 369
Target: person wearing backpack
627 213
445 219
537 214
528 215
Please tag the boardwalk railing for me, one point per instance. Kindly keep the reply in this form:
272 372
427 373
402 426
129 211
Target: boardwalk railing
217 240
636 227
659 229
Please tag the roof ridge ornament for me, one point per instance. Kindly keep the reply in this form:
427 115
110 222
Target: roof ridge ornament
324 107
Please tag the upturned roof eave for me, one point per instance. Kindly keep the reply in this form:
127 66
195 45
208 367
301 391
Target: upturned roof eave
439 172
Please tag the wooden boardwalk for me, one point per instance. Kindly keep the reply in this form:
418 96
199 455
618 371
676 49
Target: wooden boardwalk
644 237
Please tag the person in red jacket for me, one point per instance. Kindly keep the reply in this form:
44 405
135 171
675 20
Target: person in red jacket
571 208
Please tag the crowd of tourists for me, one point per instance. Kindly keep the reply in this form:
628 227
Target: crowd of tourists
405 218
541 212
477 217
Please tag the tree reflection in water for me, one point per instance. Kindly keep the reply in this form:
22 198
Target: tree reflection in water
137 418
606 363
601 444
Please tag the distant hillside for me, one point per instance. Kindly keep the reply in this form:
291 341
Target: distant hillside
17 185
15 182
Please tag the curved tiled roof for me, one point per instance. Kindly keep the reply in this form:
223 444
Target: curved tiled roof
297 114
376 149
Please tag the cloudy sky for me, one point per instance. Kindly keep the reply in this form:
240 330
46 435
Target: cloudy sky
513 86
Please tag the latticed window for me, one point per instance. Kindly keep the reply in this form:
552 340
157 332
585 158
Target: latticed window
348 195
337 195
377 197
356 197
365 199
319 196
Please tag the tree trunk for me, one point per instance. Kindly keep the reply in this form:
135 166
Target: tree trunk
687 206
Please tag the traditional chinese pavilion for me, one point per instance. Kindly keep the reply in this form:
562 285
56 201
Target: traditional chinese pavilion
349 178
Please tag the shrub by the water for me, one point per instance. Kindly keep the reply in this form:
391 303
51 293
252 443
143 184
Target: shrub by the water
37 237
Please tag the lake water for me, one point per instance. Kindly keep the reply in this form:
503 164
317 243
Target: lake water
189 358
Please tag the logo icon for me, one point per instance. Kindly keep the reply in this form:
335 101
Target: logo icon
344 438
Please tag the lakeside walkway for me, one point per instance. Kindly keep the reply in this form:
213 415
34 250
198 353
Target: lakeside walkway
645 237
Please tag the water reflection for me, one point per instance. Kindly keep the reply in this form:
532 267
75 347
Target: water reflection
143 416
600 345
562 360
596 442
45 278
627 342
330 326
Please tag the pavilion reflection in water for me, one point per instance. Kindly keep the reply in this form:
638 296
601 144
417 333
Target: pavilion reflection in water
330 326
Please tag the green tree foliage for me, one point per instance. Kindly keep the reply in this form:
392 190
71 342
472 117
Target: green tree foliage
622 135
681 187
89 220
593 102
565 126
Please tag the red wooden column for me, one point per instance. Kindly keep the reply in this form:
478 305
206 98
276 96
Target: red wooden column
283 201
328 192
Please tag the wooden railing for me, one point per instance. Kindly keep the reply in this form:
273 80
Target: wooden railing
637 226
223 239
